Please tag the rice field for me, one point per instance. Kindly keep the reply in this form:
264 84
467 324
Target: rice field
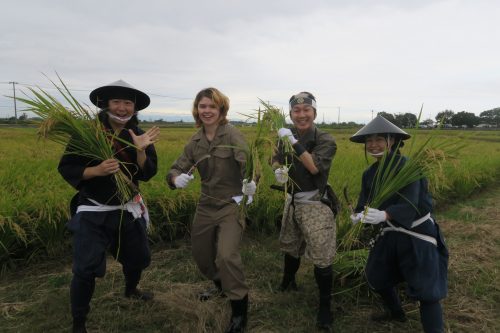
34 198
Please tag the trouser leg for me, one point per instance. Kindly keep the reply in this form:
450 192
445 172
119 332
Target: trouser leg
324 280
81 291
228 259
431 316
392 305
132 278
291 266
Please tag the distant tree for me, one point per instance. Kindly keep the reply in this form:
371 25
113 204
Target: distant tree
405 120
444 117
388 116
491 117
468 119
427 122
24 116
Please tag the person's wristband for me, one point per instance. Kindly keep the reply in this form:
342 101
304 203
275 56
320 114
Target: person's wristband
299 149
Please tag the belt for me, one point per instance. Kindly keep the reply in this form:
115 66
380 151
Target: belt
135 206
430 239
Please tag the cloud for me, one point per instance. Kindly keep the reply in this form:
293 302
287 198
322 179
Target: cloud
360 56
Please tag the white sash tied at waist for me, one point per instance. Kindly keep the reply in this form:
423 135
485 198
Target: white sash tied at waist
305 197
392 227
136 207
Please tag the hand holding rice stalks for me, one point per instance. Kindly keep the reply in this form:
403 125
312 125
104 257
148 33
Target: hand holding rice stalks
78 128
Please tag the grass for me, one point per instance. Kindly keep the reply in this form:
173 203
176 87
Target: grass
36 298
36 202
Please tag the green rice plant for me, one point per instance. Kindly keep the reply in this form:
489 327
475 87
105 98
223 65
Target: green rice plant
78 128
348 267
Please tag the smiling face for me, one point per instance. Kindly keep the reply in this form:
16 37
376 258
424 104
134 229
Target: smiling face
377 144
120 111
303 116
208 112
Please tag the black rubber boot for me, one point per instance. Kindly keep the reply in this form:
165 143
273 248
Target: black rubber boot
291 267
238 320
324 279
215 291
132 278
392 307
81 291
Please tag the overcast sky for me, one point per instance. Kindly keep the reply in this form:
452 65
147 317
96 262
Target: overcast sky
354 56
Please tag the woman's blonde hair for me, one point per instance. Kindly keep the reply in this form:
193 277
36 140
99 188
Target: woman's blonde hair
219 99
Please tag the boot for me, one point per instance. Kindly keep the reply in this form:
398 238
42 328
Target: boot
392 307
238 320
215 291
132 278
324 279
291 267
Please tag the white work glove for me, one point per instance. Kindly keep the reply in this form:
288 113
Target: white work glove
374 216
248 188
183 180
238 199
286 132
281 174
356 217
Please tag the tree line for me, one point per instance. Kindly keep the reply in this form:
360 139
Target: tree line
447 118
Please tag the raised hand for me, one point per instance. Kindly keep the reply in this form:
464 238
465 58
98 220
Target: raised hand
147 138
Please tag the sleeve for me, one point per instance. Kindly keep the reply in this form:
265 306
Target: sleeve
181 165
323 153
240 154
363 194
71 167
150 165
404 210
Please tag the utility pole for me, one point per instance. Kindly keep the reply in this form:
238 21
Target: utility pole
372 114
338 118
15 105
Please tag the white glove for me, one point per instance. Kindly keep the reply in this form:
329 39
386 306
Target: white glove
248 189
281 174
356 217
374 216
183 180
238 199
286 132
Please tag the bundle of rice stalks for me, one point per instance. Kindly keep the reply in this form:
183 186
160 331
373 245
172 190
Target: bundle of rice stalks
348 267
78 128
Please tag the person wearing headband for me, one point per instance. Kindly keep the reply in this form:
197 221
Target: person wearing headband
410 246
100 220
308 223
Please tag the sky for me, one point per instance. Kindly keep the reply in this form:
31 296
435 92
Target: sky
357 57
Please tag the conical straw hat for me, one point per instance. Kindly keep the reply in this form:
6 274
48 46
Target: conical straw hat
379 125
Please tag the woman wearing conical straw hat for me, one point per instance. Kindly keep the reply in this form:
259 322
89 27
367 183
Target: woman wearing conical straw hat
217 152
308 224
410 246
102 219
